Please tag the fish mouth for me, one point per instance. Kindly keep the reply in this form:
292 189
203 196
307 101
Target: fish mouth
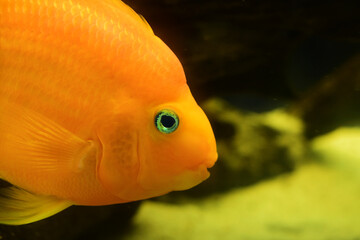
211 160
204 165
191 177
196 174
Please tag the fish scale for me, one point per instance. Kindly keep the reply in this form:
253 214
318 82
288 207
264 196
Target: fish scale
56 88
88 32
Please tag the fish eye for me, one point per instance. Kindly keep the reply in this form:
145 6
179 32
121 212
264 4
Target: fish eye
166 121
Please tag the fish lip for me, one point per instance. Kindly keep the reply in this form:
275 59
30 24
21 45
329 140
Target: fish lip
211 160
210 165
207 163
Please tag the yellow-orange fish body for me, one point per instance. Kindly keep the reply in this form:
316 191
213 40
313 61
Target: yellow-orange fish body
82 86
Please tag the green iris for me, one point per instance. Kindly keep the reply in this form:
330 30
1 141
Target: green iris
166 121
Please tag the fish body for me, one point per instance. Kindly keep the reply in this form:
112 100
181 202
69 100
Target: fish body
94 110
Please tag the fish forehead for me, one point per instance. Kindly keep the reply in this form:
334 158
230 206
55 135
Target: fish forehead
106 37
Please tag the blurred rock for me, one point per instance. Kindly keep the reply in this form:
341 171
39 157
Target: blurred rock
251 146
340 150
318 201
333 102
259 145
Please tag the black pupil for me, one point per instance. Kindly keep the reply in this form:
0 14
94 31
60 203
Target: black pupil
167 121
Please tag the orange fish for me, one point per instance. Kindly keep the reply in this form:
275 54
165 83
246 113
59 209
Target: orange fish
94 110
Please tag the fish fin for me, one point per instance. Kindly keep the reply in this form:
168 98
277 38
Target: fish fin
136 16
18 206
39 144
147 25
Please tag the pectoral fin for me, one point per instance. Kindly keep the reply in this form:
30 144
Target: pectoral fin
18 206
39 144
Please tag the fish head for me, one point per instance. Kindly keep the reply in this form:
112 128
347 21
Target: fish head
152 150
177 148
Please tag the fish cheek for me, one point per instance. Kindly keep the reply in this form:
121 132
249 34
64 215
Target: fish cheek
161 164
118 166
